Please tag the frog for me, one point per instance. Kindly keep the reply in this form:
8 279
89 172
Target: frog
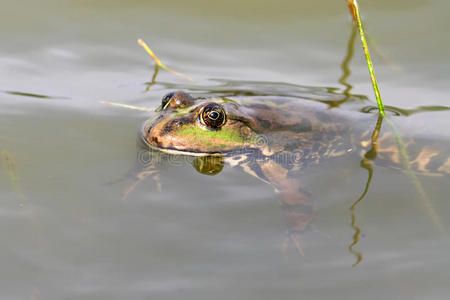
272 139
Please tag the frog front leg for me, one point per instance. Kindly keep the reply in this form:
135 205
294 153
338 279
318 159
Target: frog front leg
148 165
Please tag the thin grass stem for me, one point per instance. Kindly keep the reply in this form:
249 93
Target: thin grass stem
158 62
126 106
353 5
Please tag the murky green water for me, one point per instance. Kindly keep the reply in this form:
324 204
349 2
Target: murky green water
66 232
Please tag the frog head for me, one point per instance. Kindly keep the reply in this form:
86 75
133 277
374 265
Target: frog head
199 126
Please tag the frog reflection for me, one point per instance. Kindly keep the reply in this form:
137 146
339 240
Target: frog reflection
209 165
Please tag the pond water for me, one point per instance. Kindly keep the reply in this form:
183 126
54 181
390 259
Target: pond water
67 232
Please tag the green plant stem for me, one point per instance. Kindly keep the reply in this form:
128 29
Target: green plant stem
353 4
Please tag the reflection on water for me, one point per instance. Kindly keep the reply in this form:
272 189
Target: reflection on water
231 88
153 82
405 112
10 164
28 95
209 165
366 163
345 67
370 155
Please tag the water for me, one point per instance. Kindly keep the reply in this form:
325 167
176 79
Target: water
66 232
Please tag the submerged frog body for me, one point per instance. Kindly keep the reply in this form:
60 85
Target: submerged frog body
273 140
199 127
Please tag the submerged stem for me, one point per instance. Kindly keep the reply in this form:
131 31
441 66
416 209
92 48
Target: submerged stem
366 163
415 180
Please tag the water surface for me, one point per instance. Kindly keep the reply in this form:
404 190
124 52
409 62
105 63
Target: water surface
67 233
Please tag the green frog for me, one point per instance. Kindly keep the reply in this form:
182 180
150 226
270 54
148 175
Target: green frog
272 139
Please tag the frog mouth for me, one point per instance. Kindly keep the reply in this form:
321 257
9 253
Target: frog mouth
174 151
157 146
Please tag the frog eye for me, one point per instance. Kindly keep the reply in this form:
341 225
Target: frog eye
177 99
213 116
166 99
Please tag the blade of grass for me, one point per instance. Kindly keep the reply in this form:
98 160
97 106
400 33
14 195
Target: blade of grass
354 10
158 62
126 106
353 6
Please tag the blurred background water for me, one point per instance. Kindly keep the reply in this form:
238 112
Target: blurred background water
67 234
